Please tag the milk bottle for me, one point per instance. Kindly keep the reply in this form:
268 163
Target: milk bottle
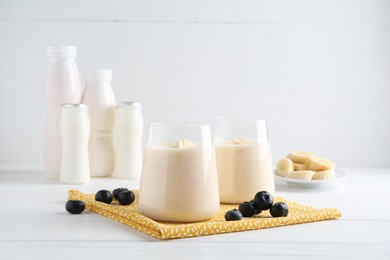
99 98
128 135
74 129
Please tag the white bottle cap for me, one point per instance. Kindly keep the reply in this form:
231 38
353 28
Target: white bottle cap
98 75
61 50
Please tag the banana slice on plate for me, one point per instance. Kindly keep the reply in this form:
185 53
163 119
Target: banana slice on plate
324 175
303 175
300 167
300 156
320 164
305 169
284 167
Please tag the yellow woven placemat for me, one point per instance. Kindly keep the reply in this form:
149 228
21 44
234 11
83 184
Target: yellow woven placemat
130 216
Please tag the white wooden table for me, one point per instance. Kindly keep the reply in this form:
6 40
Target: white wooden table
35 225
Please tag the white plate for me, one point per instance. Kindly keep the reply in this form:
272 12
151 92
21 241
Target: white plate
339 176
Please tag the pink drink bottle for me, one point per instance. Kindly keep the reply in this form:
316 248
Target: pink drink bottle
62 85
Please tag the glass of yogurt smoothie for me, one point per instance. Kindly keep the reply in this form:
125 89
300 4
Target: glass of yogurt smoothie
244 160
179 179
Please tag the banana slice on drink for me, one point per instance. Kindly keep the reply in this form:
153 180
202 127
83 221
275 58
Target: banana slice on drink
324 175
300 156
303 175
300 167
284 167
319 164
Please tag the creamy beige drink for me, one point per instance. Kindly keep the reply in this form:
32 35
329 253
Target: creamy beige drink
179 182
244 168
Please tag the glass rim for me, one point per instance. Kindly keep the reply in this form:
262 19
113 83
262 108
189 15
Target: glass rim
180 124
240 119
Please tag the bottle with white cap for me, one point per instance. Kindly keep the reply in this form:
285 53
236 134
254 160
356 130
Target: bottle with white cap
74 129
62 85
99 98
128 134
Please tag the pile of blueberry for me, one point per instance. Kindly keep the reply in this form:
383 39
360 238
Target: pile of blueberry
263 201
123 195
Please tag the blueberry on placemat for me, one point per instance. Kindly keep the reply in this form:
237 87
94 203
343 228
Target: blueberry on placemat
117 191
75 206
264 200
126 197
247 209
256 206
104 196
279 209
233 215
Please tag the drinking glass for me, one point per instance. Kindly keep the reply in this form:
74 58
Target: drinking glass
179 178
244 158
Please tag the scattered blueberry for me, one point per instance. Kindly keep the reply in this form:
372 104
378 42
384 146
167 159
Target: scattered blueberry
75 206
126 197
117 191
104 196
256 206
264 200
233 215
247 210
279 209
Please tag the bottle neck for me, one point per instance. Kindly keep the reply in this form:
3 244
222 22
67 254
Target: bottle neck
126 110
61 59
73 112
98 83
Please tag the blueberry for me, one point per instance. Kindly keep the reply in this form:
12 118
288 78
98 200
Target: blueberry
75 206
279 209
256 206
264 200
126 197
247 210
104 196
117 191
233 215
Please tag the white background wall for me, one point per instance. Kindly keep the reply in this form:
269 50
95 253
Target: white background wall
318 70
